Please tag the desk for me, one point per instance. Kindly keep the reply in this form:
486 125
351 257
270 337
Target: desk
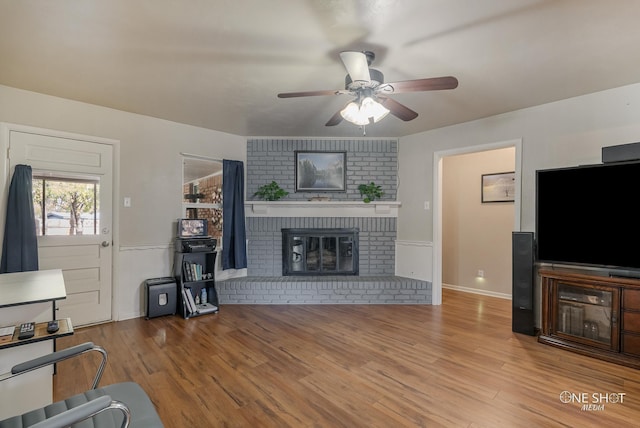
25 297
24 288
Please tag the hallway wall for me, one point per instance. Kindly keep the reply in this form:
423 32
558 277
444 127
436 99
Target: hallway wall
475 235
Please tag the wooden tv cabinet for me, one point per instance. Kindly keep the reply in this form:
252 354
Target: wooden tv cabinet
591 314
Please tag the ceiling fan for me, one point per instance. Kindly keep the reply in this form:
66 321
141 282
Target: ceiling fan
371 102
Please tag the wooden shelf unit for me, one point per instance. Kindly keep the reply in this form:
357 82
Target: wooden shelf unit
573 302
206 261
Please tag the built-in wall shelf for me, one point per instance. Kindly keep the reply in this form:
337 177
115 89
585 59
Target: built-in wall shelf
202 205
321 209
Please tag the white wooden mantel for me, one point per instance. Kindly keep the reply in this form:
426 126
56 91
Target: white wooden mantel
321 209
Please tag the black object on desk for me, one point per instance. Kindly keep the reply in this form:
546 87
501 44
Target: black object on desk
26 330
53 326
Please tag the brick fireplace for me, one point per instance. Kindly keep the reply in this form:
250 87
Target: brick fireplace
373 280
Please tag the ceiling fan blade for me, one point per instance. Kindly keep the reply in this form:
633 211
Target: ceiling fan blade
309 93
356 65
335 119
398 110
429 84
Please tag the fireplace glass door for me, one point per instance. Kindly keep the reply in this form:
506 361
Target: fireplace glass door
320 252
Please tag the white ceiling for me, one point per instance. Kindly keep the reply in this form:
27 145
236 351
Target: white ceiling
219 64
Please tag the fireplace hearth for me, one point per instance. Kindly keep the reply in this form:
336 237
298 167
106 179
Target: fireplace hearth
320 251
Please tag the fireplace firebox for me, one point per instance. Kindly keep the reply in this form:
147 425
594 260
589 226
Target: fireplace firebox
320 251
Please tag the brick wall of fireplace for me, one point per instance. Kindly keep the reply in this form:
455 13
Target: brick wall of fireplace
367 160
376 241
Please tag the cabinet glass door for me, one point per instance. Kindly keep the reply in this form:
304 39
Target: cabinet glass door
585 313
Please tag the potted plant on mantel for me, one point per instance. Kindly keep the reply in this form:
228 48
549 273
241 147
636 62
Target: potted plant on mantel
370 191
271 192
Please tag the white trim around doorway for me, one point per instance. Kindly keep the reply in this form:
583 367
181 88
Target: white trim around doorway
438 156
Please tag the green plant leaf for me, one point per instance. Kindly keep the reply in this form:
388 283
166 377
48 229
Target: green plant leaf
370 191
271 192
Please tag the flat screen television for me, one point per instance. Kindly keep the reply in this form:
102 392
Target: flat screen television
589 215
192 227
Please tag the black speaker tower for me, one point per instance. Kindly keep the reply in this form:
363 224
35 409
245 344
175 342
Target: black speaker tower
523 255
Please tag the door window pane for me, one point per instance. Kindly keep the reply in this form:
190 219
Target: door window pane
66 206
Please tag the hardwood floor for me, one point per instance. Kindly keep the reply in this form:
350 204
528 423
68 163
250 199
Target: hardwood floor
455 365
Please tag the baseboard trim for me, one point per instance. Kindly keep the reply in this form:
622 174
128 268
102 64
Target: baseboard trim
476 291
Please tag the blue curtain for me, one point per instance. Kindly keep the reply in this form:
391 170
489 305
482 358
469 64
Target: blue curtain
20 245
234 236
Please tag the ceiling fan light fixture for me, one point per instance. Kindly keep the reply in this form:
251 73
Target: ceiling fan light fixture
373 109
351 113
364 112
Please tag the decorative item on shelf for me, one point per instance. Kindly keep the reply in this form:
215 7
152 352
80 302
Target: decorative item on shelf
271 192
370 191
217 196
216 219
194 194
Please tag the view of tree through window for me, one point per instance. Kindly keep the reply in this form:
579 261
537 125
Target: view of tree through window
66 206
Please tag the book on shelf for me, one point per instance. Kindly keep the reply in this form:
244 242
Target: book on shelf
186 271
191 271
6 333
192 302
185 300
188 299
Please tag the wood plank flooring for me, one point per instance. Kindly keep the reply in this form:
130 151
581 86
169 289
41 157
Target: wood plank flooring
455 365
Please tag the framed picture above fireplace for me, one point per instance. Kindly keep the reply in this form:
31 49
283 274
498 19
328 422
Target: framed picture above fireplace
318 171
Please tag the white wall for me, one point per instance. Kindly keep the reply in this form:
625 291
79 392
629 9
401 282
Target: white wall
563 133
149 171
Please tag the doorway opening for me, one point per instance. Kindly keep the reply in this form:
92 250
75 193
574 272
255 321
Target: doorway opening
440 213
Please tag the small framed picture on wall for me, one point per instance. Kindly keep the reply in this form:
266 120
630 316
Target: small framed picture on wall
499 187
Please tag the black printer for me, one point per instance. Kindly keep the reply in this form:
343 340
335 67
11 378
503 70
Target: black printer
204 244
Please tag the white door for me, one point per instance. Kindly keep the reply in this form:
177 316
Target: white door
85 253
